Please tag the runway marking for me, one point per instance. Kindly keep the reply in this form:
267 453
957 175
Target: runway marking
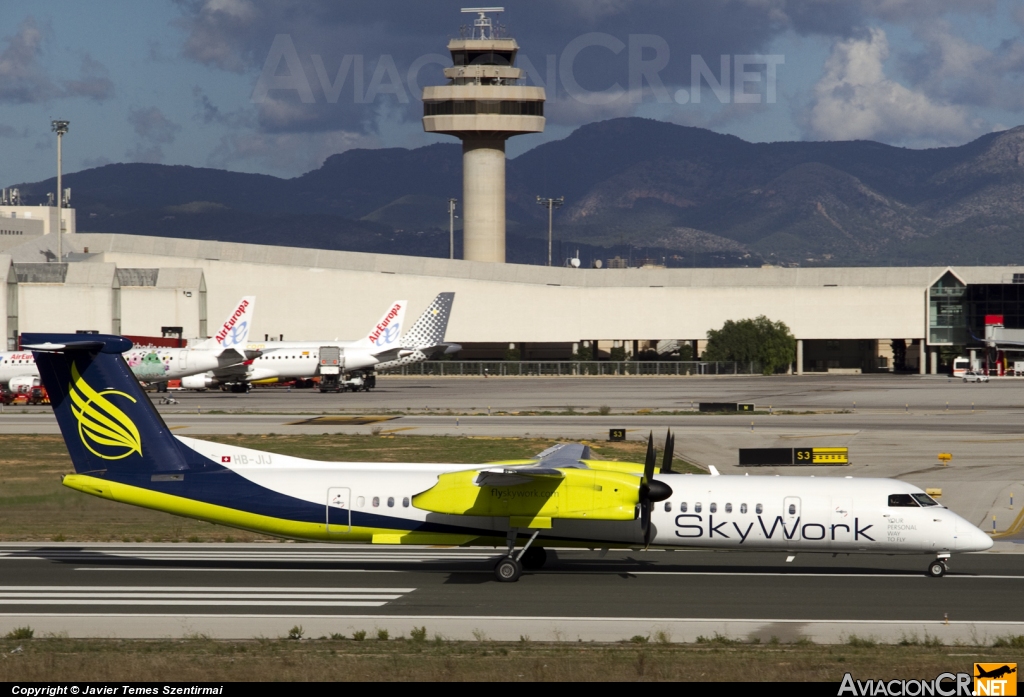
341 420
367 558
190 602
246 570
200 589
199 596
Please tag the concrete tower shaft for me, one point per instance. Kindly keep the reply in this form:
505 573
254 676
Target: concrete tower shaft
483 105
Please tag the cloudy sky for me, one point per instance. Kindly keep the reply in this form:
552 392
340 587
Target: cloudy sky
275 87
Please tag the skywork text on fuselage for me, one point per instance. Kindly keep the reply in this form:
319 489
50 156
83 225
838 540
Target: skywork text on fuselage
692 525
235 316
382 327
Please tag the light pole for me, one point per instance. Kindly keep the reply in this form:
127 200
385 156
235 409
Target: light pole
551 203
60 128
451 227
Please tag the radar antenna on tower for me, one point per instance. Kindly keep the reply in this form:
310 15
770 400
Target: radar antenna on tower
482 23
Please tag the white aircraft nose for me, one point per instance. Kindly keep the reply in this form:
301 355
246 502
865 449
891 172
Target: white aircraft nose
976 540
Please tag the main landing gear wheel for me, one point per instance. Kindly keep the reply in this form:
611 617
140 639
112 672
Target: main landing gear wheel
937 568
508 570
534 558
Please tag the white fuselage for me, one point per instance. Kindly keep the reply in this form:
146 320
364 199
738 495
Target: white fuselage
17 364
301 359
160 364
812 514
148 364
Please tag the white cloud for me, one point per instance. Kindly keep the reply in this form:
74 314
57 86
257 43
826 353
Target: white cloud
952 69
22 78
855 100
152 125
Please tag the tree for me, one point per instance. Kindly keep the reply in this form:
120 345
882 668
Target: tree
752 340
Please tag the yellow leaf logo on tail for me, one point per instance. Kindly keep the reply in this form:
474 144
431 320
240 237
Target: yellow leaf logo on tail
100 423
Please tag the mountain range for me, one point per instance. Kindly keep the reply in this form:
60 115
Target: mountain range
633 188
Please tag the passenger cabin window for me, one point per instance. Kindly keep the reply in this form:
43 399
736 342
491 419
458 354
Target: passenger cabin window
376 501
391 501
405 502
682 507
668 507
925 500
759 509
713 508
361 501
696 507
743 508
728 508
902 501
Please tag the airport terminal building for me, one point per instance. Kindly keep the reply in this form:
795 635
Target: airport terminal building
845 319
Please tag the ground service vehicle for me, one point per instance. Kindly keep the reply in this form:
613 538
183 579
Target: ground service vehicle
975 376
122 450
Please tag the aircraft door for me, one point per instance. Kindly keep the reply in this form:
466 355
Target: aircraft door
183 360
339 513
840 530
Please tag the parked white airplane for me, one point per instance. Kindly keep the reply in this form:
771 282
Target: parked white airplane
122 450
158 364
385 345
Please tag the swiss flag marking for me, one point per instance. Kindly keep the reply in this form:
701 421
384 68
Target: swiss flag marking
225 458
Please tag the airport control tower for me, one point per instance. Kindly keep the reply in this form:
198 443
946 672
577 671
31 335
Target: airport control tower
483 104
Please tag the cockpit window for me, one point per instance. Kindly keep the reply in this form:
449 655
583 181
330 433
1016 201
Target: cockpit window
902 501
925 500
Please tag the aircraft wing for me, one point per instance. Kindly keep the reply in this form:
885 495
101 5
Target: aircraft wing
391 354
564 455
512 476
232 373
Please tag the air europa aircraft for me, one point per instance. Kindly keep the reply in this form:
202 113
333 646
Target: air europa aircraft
387 344
160 364
122 450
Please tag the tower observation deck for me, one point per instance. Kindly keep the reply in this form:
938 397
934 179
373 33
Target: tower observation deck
483 105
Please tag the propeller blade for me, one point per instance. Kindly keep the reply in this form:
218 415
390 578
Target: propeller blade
645 522
652 459
670 447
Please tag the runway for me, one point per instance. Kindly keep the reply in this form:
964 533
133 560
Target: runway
263 589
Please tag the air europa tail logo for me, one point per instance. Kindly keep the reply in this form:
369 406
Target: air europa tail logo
232 320
105 430
382 328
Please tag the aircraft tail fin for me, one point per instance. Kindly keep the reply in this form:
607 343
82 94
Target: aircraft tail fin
432 325
234 332
386 333
109 424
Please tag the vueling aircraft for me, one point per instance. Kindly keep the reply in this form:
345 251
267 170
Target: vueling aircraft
156 365
387 344
122 450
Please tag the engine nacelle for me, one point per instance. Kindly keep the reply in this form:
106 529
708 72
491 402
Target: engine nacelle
24 383
199 382
359 359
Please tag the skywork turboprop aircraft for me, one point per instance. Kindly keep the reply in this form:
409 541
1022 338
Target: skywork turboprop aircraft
384 346
122 450
158 364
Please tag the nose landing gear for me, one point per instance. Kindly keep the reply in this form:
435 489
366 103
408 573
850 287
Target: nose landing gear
938 568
